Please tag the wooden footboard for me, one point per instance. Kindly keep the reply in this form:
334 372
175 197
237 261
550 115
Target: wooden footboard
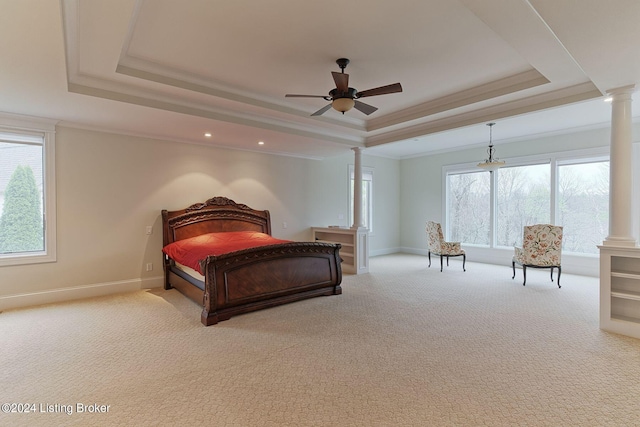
258 278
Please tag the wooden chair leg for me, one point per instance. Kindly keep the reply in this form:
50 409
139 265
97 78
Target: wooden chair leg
552 274
513 265
440 263
524 274
464 260
447 260
429 255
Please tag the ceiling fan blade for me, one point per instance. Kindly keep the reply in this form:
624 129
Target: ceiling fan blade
322 110
304 96
382 90
365 108
342 81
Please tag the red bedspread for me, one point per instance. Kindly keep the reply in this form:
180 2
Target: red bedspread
191 251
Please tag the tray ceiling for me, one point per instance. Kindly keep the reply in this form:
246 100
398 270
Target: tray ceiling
175 70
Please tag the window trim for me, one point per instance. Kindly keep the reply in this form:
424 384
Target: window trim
366 170
554 160
552 196
45 128
466 168
570 162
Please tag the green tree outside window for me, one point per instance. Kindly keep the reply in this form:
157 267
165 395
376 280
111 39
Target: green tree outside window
21 227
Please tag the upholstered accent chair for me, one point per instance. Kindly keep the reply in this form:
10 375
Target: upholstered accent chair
438 246
541 248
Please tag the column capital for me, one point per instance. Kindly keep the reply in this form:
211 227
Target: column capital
622 90
358 149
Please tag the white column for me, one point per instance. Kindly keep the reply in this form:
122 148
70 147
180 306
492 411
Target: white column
357 189
620 173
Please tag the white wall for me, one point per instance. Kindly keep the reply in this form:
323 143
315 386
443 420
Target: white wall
110 187
421 189
331 198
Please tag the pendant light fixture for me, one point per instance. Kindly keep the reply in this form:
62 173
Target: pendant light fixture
492 163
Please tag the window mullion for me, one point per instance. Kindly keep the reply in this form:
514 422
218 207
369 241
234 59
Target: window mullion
493 209
554 191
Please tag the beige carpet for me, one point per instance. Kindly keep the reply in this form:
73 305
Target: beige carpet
402 346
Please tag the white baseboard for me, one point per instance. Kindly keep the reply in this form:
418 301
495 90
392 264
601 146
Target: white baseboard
387 251
78 292
571 264
583 265
414 251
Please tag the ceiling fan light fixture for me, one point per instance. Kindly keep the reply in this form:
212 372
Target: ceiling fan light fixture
343 104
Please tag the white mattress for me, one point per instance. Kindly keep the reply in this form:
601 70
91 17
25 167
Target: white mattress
190 271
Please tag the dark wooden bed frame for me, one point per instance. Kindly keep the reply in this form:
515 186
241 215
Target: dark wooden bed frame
250 279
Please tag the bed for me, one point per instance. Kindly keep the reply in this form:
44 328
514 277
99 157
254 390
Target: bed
247 278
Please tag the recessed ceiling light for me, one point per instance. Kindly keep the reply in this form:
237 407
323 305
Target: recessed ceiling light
260 142
208 135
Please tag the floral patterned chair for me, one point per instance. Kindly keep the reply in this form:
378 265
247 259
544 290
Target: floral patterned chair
438 246
541 248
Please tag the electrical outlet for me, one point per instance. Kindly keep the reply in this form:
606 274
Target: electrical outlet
149 266
284 224
149 229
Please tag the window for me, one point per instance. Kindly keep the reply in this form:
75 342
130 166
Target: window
469 207
569 189
367 197
583 205
524 198
27 199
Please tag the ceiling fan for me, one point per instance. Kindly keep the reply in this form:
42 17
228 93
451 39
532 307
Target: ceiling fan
343 98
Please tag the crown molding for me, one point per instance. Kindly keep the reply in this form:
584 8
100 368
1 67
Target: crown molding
138 97
505 86
194 84
538 102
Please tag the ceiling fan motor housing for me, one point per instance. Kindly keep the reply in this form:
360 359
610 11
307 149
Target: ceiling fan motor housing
336 94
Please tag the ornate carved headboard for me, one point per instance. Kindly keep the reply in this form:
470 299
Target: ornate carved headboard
217 214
